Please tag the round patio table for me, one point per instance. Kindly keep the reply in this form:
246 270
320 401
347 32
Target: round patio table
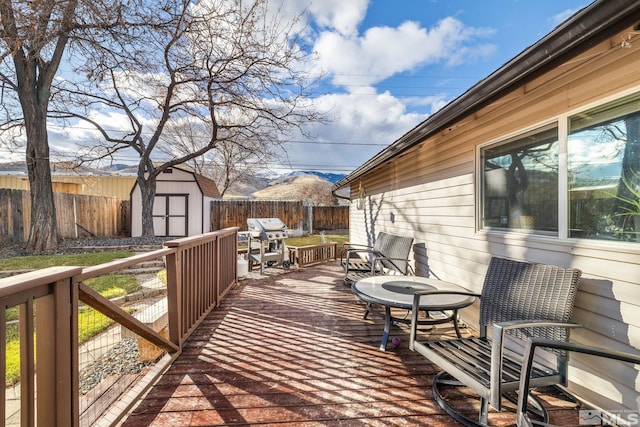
398 291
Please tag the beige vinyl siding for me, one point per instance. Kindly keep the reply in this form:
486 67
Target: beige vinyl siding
429 192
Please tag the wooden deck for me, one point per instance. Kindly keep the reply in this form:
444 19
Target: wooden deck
293 349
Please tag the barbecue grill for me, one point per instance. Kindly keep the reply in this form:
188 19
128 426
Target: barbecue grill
266 242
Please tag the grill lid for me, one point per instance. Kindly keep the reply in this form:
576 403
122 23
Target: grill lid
265 224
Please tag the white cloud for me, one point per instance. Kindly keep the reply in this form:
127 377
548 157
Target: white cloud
333 15
384 51
559 18
340 15
366 118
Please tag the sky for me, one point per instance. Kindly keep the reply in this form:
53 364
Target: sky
389 64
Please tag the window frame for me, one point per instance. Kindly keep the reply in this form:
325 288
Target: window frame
561 121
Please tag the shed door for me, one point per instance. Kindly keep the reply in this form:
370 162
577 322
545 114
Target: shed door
170 215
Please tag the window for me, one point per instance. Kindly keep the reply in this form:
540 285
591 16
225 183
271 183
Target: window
520 182
520 187
604 171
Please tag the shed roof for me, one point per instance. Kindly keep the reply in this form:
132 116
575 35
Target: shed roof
207 186
589 26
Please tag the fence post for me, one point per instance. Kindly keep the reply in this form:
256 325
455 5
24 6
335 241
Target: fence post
310 210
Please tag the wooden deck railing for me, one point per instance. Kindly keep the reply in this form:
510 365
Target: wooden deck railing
200 270
307 255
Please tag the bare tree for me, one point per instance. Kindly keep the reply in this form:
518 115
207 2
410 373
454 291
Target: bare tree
231 69
227 163
35 37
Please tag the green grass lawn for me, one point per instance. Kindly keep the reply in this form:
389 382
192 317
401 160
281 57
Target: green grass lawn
90 322
43 261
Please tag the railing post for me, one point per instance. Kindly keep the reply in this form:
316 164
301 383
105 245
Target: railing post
174 295
48 330
56 356
217 269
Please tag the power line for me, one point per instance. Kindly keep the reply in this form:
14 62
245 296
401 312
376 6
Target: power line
291 165
291 141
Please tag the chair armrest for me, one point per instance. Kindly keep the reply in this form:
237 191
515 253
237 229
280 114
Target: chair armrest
347 247
523 392
381 257
497 347
353 246
416 306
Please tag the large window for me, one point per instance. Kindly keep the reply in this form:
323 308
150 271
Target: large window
521 182
520 177
604 171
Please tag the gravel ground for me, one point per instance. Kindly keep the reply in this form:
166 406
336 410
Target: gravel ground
9 249
122 359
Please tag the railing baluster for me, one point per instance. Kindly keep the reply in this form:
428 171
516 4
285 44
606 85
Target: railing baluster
27 370
3 362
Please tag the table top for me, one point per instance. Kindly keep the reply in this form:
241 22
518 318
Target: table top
398 291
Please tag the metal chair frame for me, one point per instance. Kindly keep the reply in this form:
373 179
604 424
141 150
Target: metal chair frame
522 416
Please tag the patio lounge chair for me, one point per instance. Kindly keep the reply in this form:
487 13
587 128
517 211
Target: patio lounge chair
518 299
389 254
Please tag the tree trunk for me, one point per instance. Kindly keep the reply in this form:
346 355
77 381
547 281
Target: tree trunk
43 232
147 187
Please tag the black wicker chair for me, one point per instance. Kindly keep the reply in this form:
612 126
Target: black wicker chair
389 253
518 299
522 416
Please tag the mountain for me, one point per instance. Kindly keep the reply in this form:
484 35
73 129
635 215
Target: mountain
293 185
298 184
331 177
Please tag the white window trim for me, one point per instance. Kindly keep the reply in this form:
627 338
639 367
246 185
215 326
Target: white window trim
479 166
562 122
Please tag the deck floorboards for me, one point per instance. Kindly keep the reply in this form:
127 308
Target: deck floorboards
293 349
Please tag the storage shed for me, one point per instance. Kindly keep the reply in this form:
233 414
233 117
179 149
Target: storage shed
181 207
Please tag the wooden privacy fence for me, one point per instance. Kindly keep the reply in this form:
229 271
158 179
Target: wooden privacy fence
330 217
77 215
295 214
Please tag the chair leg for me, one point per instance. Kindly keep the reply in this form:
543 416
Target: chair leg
484 411
443 378
455 323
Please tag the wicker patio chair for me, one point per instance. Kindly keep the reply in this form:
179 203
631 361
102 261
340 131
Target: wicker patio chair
389 254
518 299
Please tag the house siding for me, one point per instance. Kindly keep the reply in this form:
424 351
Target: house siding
429 192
